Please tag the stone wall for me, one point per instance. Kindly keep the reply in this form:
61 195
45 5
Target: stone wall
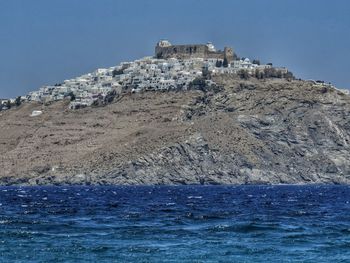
192 51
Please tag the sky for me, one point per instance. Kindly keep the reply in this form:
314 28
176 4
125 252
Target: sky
45 42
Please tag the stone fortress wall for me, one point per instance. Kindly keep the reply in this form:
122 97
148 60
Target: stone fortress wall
164 50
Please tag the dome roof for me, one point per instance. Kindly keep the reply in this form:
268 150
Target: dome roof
164 43
210 46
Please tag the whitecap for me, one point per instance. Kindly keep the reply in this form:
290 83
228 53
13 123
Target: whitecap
194 197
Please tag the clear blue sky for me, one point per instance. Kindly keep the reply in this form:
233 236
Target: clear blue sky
47 41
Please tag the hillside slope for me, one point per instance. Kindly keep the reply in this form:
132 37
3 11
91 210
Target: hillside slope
251 131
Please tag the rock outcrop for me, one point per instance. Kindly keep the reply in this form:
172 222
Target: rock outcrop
270 131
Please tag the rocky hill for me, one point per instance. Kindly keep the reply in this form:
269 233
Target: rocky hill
270 131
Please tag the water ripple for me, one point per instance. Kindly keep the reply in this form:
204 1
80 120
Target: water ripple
175 224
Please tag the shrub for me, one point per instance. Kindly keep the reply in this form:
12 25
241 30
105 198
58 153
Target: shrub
71 95
18 101
259 74
270 73
289 75
197 83
117 72
243 74
218 64
206 73
225 63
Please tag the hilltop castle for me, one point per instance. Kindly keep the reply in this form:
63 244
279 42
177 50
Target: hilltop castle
164 49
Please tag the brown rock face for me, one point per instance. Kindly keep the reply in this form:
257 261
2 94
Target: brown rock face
250 131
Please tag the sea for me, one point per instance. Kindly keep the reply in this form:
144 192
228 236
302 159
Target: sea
175 224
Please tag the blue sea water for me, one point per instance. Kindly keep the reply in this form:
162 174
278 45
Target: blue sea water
175 224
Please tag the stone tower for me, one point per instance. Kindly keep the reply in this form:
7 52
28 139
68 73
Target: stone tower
160 47
228 54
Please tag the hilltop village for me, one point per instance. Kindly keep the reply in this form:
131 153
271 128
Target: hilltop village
173 67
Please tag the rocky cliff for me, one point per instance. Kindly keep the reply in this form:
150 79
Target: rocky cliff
270 131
